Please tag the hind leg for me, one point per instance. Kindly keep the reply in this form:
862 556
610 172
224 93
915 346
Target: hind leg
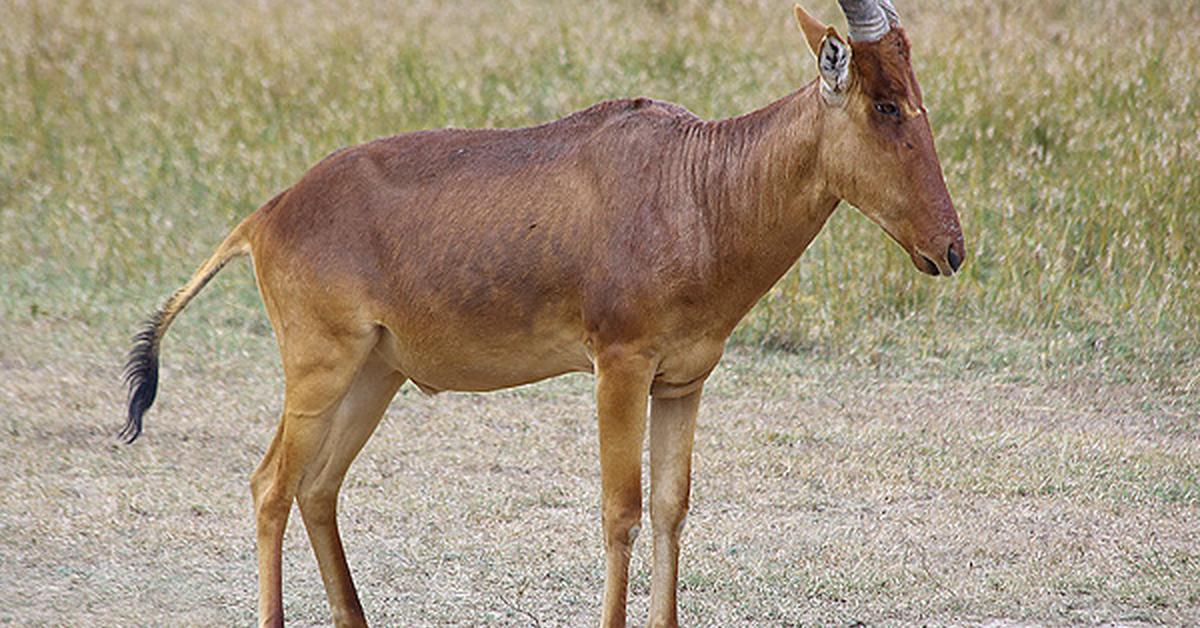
355 420
319 369
269 525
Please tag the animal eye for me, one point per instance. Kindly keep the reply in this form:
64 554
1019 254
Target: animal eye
887 108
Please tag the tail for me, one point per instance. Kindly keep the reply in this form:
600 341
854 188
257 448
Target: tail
141 371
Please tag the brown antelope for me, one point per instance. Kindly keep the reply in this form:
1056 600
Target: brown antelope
627 240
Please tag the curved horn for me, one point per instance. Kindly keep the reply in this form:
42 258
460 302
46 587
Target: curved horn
866 18
889 10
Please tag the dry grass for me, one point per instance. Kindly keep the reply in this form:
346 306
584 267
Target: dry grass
824 494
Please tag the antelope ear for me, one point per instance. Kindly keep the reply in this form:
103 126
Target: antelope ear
833 59
813 29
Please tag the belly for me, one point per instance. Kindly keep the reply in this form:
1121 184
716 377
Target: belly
482 359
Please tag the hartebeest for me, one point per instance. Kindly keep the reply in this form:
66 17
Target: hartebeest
627 239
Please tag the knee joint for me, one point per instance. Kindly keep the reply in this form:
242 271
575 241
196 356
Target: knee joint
318 504
622 526
670 517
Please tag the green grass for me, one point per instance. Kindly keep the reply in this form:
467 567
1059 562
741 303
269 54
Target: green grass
134 134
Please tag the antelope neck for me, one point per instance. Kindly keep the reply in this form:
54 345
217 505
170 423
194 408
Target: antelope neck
757 182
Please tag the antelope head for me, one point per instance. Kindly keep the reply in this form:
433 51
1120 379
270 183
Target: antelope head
877 147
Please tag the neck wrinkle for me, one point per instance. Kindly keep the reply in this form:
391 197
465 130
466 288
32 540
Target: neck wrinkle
755 180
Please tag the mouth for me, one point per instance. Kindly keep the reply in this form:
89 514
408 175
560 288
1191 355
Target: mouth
945 264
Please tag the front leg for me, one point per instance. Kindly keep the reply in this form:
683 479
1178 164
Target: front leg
672 426
622 389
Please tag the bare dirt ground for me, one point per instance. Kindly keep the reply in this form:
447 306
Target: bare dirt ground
823 494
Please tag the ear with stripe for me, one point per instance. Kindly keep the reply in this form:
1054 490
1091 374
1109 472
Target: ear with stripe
832 52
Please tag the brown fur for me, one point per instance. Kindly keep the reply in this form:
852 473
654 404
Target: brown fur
627 239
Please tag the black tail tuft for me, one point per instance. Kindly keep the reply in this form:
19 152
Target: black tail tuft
141 375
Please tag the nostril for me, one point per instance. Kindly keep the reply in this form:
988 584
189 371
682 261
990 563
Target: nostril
933 268
953 258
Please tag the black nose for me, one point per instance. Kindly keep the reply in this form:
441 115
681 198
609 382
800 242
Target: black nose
953 258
